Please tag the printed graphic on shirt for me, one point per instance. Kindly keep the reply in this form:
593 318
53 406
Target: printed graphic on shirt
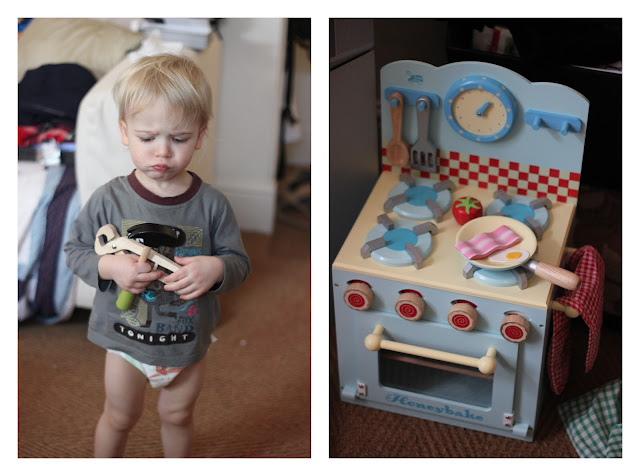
159 317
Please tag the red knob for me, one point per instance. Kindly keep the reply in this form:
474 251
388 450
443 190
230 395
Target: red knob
410 306
462 316
358 296
515 328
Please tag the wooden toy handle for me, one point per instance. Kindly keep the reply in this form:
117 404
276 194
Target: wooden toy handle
423 117
568 310
559 276
121 244
486 364
396 115
125 299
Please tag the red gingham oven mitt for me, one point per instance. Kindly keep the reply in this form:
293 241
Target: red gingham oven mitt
587 263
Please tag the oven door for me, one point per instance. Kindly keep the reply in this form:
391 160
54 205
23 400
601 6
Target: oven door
432 369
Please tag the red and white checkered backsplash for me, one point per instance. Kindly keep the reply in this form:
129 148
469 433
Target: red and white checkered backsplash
494 174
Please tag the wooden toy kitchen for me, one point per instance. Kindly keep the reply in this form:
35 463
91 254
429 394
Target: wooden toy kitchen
445 286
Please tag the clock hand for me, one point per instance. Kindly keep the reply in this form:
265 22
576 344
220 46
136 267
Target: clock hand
482 109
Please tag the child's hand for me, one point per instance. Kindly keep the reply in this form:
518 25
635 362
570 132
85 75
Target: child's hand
197 275
127 272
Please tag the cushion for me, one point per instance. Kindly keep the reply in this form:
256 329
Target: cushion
94 44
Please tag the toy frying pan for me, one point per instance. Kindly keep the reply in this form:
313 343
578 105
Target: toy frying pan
151 235
517 255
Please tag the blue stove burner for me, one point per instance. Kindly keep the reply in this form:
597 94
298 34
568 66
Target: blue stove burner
418 195
518 211
415 192
502 278
393 253
398 237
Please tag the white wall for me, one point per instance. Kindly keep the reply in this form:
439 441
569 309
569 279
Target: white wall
298 148
245 150
248 118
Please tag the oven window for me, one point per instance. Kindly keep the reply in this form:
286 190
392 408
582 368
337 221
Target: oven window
435 378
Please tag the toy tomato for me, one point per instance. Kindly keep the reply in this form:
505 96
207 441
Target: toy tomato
466 209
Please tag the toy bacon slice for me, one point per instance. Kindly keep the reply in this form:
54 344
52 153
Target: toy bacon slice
483 244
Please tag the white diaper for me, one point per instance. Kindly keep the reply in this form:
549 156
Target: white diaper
157 375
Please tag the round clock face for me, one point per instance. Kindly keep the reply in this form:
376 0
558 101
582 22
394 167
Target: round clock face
480 109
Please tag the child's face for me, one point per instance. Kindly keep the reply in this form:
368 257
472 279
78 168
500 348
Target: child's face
160 146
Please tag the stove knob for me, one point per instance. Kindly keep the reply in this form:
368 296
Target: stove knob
358 296
462 316
515 328
410 306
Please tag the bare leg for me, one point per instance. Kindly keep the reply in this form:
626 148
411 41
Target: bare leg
176 403
124 387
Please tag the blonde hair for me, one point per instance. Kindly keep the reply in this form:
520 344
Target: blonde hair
176 79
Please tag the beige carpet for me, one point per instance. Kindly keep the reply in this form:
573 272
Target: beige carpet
256 400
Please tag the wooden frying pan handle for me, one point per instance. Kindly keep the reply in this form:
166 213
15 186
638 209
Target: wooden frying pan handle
559 276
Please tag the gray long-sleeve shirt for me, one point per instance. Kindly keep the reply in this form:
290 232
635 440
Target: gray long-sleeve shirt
159 329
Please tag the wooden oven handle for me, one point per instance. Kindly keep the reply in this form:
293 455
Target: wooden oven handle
485 364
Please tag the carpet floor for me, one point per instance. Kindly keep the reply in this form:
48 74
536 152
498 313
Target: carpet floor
256 400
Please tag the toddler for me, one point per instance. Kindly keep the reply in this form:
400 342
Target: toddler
164 107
